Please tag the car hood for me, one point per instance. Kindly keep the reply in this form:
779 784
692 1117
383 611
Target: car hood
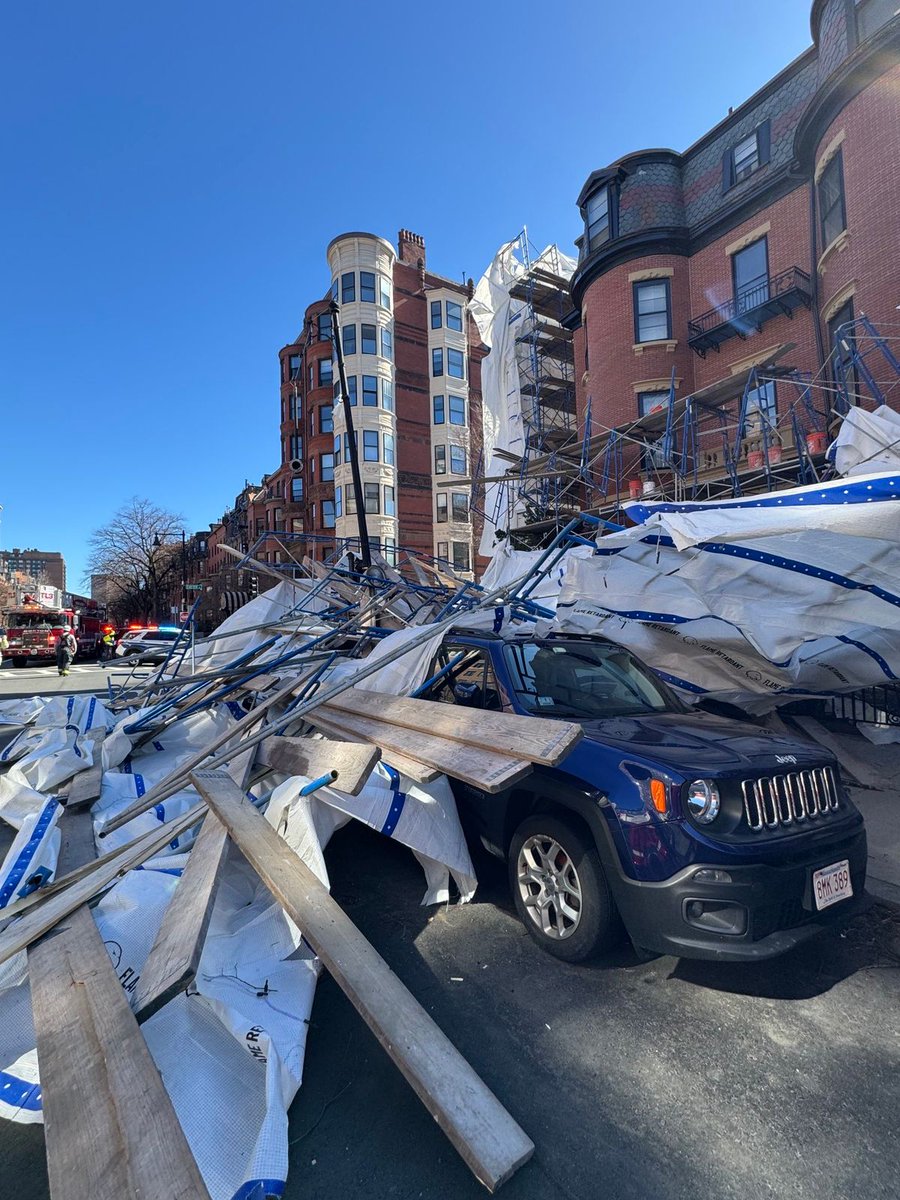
693 743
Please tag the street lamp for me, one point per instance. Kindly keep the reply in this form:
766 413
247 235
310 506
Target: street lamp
154 591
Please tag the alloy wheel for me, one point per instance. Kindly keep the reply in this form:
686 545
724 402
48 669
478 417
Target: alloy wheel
549 886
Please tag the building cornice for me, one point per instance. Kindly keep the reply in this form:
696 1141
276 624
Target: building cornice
672 240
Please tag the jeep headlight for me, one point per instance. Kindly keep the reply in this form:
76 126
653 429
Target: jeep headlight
703 800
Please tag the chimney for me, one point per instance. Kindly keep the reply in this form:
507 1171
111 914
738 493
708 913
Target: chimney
411 248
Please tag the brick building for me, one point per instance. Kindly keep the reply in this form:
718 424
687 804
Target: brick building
413 366
753 246
39 566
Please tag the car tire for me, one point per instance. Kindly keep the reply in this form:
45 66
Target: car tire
571 913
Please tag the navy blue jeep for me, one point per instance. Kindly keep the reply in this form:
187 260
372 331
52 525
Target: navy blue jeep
708 837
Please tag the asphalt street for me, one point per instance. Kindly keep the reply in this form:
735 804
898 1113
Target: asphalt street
44 679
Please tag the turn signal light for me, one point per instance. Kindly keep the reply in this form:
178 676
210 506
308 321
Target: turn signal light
658 795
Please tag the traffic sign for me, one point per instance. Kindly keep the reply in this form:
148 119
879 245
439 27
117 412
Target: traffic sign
193 587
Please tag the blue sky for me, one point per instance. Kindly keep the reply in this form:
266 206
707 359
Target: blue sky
173 173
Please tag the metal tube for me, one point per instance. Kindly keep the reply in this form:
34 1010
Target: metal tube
174 782
315 784
364 550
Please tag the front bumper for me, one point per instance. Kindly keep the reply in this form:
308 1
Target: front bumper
774 903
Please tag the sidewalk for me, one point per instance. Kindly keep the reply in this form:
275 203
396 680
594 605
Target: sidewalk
881 811
872 773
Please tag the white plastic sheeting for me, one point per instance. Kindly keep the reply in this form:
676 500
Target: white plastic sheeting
867 441
272 606
231 1051
750 604
500 320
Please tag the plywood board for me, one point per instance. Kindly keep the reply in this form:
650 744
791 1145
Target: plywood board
483 769
353 761
535 738
492 1144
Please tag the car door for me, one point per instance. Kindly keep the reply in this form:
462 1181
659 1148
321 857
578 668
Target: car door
472 683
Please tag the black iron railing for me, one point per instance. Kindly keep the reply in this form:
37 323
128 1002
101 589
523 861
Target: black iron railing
776 295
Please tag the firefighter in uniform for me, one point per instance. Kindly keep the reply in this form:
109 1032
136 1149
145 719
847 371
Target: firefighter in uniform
66 646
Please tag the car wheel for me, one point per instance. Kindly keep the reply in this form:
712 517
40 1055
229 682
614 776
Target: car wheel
560 890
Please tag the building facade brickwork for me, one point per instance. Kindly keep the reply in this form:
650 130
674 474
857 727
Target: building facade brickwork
749 246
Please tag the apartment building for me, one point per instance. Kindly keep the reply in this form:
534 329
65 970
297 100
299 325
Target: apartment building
413 368
40 566
752 248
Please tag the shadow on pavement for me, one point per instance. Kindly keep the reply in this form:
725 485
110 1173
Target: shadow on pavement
870 940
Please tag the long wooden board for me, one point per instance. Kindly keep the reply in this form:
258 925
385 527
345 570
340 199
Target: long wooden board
109 1124
536 738
487 770
175 954
405 765
353 761
109 1127
491 1143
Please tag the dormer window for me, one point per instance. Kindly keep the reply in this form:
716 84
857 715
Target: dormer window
745 157
597 218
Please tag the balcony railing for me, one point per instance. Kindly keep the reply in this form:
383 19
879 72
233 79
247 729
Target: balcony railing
748 311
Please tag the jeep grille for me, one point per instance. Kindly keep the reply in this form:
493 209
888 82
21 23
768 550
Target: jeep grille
782 800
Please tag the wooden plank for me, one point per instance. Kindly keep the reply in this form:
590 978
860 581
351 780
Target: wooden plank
405 765
76 848
174 956
491 1143
536 738
48 911
353 761
109 1125
483 769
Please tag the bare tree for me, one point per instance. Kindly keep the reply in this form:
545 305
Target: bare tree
137 553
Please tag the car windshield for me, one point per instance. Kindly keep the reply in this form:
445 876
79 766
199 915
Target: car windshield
584 680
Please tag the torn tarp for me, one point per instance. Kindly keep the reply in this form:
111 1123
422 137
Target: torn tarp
752 604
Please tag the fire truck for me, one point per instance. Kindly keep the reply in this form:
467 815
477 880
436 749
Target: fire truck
33 630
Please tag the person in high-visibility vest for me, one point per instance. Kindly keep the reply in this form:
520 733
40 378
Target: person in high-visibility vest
107 645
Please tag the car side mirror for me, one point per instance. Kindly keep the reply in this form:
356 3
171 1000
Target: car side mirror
468 694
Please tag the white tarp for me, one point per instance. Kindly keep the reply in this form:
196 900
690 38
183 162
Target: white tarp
500 320
268 609
231 1051
749 604
867 441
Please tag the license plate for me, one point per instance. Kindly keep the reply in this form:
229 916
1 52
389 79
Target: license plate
832 884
